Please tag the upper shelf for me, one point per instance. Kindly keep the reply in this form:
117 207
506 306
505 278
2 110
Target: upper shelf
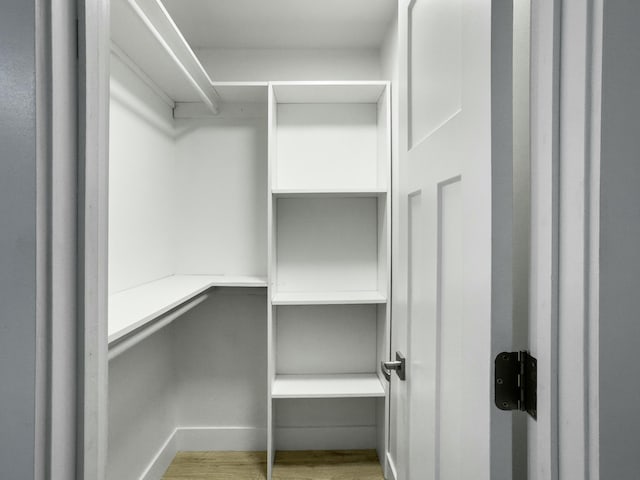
133 308
328 92
144 32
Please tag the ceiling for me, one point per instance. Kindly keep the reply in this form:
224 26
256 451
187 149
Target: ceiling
283 23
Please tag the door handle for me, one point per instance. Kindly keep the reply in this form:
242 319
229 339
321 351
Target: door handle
399 365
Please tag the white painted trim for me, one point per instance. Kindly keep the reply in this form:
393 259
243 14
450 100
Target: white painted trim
543 309
391 472
573 242
203 439
61 207
162 459
93 154
581 78
271 273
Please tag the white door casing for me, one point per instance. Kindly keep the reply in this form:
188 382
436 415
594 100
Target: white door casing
452 270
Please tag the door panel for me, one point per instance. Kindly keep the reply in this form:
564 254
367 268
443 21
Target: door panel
447 267
435 67
420 400
449 330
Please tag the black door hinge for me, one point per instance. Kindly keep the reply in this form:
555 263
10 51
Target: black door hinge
516 382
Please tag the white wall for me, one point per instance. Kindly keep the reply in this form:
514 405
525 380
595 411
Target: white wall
619 371
325 424
142 192
243 64
221 201
142 412
220 350
142 170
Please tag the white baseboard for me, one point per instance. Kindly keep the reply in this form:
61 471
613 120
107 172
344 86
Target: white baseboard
326 438
204 439
390 471
162 460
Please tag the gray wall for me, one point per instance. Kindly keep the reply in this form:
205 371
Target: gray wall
620 240
18 235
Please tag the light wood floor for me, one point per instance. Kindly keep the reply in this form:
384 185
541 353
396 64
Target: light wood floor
290 465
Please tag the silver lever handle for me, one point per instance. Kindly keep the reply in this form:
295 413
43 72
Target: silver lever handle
398 365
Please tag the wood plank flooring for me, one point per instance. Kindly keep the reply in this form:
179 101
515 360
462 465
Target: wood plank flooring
289 465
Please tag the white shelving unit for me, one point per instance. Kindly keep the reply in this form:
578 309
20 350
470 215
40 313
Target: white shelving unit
145 38
329 236
193 161
149 50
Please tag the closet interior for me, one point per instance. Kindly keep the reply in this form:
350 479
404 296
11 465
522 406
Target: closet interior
249 228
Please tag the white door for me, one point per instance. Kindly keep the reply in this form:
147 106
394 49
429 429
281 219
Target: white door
452 272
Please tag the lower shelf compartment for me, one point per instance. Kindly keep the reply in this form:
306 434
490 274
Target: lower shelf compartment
327 386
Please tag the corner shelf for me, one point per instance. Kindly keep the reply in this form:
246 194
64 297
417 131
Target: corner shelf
327 298
132 309
327 386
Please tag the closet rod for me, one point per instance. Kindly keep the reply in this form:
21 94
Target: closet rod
135 337
210 98
121 54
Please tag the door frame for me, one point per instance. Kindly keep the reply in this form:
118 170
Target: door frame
566 71
93 177
579 233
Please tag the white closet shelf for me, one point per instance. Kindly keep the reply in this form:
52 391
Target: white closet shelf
327 386
327 298
328 192
328 92
131 309
146 34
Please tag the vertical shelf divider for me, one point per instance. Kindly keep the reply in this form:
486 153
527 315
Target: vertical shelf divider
271 273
